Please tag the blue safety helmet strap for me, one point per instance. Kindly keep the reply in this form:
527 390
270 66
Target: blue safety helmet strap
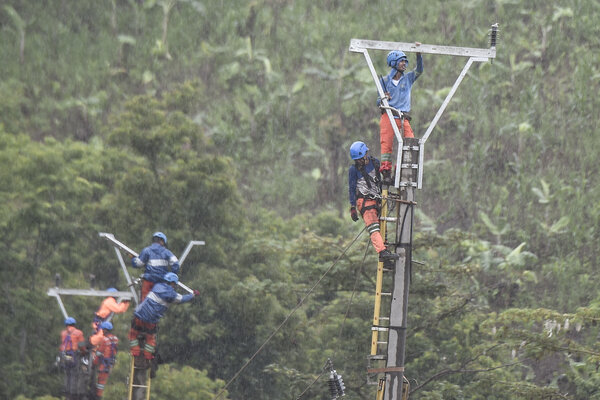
358 150
394 57
70 321
161 236
171 277
106 325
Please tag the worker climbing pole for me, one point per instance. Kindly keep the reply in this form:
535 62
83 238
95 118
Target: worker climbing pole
388 338
143 366
156 295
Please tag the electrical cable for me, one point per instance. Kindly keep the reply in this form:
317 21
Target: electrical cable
288 317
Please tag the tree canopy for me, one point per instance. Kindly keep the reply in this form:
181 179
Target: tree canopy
230 122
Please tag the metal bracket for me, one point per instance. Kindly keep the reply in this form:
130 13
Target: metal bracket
56 292
118 245
474 55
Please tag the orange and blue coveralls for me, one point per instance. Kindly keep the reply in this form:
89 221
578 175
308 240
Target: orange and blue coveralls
104 357
71 339
399 99
364 193
148 313
109 305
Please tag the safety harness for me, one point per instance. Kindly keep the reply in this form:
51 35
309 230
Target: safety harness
107 361
370 182
68 355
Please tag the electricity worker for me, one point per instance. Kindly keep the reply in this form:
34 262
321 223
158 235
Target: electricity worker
109 305
364 190
71 347
104 356
397 86
156 259
150 311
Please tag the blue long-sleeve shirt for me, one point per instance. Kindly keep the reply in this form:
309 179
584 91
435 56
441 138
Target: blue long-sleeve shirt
156 303
400 92
157 259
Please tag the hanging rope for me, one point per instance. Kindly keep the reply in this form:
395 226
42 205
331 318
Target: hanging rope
288 317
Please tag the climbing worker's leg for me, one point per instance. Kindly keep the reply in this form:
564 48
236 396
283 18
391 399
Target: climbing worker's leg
101 382
146 288
408 132
370 215
386 139
134 332
386 135
150 345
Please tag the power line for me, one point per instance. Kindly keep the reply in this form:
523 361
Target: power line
289 316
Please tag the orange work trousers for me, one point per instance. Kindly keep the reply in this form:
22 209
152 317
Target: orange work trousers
371 218
146 288
148 331
101 380
386 135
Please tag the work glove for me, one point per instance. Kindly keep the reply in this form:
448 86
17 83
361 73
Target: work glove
196 293
353 214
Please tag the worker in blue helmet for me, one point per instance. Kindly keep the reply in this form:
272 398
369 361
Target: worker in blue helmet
108 307
364 190
105 356
72 352
156 260
397 86
150 311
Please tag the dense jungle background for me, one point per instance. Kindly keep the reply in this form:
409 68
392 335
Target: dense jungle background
230 122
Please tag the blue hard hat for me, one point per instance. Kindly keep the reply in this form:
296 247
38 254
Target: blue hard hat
358 150
394 57
161 236
70 321
171 277
106 325
112 289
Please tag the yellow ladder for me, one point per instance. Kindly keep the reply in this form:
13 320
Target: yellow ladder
380 323
139 379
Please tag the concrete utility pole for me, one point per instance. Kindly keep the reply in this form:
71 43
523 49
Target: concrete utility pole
400 200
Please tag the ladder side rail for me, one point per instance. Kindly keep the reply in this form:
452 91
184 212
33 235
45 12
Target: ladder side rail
384 100
360 45
379 279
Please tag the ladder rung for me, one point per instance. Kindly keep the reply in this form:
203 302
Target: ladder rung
386 294
141 386
404 184
389 219
384 318
381 342
380 328
410 147
414 166
377 357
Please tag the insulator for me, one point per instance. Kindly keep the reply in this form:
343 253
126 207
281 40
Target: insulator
494 35
340 386
332 386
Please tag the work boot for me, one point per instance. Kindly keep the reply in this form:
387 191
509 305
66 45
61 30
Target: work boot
385 255
386 173
386 177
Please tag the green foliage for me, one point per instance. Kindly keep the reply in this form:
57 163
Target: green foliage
231 125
